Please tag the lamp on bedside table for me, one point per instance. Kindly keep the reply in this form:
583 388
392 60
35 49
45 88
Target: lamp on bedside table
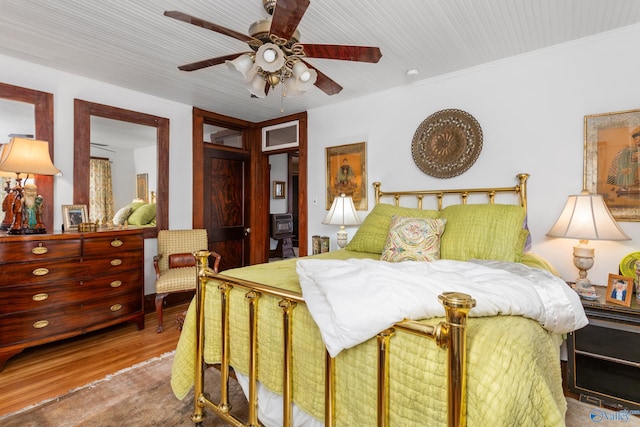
586 217
342 213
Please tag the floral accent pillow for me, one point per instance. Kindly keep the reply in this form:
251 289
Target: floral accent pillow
413 239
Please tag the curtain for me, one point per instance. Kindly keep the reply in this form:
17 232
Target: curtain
100 191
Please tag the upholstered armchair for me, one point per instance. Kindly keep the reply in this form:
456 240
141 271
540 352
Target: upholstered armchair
175 263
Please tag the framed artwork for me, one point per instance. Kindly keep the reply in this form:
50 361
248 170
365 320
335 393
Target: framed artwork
612 161
73 216
347 173
142 187
619 289
279 188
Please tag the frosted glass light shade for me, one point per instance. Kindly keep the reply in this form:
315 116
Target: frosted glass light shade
242 64
269 57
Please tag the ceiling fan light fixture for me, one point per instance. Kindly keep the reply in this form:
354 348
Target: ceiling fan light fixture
301 72
270 57
256 86
242 64
297 86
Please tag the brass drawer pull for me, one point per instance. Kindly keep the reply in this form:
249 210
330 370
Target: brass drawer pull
40 271
40 297
116 307
116 243
115 262
41 324
116 283
39 250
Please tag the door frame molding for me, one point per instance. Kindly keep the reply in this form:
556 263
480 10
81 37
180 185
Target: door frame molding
258 185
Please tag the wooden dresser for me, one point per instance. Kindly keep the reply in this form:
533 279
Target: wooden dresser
55 286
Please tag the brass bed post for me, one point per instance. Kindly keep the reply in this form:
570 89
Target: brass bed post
198 388
456 306
329 390
253 298
383 376
287 380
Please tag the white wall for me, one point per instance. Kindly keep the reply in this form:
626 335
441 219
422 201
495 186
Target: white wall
531 109
65 87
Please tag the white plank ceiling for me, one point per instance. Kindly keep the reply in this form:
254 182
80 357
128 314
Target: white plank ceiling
130 43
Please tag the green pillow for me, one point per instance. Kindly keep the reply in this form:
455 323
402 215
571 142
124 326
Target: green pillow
372 234
143 215
482 231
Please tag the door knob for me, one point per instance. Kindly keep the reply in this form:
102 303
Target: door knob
247 231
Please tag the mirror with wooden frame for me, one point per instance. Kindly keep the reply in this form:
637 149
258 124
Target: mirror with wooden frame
83 112
43 116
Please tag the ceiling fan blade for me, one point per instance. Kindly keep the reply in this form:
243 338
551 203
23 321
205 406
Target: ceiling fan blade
324 83
209 25
208 62
345 53
287 16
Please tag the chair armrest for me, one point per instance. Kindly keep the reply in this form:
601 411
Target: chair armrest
156 258
216 261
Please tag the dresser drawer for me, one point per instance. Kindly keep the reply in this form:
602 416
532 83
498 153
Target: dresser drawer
35 250
67 320
109 246
46 296
626 337
44 271
122 261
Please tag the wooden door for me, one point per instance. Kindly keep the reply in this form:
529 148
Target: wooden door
226 177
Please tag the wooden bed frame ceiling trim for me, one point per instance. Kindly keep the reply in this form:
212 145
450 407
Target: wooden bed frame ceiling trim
449 334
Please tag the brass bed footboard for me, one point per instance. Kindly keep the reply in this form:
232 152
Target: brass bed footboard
449 334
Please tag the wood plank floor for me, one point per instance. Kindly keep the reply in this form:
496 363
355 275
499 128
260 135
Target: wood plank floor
50 370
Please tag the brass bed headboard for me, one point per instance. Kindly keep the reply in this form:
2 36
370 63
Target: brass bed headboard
439 195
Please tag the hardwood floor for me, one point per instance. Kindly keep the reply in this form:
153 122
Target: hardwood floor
50 370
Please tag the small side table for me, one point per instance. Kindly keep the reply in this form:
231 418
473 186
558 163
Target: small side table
604 356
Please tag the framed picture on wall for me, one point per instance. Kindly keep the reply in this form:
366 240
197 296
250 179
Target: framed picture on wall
347 173
279 189
612 161
142 187
73 216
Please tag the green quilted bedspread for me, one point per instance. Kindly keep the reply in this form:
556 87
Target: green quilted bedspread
513 364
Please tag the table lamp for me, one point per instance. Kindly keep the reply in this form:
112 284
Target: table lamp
27 156
342 213
586 217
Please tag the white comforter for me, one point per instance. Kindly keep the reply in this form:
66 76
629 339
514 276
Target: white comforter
353 300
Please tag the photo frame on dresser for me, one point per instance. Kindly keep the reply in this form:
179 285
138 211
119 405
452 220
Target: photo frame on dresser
619 289
73 216
612 161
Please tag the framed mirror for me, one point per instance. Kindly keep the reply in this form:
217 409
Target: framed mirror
85 113
41 106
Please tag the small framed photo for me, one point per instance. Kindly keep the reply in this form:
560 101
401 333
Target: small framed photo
279 188
73 216
619 289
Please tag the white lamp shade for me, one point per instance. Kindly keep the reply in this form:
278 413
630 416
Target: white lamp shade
303 78
256 86
342 212
269 57
28 156
586 217
242 64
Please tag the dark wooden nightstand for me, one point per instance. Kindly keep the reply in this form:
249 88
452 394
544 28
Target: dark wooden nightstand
604 356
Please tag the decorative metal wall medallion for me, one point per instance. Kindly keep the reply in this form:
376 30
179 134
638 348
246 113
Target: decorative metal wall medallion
447 143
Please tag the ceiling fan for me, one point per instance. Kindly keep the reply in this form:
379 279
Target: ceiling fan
276 54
